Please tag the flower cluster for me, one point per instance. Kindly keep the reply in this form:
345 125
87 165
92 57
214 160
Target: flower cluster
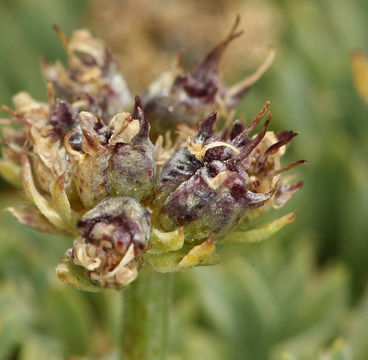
88 165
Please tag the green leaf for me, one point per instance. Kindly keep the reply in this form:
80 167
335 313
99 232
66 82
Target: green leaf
259 234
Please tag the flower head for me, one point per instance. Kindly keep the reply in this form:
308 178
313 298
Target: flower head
90 169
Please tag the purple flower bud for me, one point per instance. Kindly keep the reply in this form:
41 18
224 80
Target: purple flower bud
207 187
188 96
115 159
132 167
114 234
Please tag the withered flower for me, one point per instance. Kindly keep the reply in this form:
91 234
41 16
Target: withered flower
179 97
36 157
90 170
92 74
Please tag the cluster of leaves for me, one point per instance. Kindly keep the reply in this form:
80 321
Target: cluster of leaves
269 302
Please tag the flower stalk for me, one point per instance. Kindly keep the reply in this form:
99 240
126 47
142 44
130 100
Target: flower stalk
146 311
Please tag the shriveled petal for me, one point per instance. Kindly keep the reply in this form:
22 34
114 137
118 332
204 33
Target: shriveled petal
32 217
43 205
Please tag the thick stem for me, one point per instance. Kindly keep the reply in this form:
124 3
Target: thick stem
146 308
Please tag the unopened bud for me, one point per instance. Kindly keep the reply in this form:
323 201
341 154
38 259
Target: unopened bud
207 187
115 159
114 234
186 97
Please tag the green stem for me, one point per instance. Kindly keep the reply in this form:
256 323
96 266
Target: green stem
146 308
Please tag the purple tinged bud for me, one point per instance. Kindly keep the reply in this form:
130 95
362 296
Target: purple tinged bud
114 234
209 186
204 187
186 97
132 165
115 159
190 95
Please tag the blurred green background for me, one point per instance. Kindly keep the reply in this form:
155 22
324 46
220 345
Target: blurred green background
296 292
